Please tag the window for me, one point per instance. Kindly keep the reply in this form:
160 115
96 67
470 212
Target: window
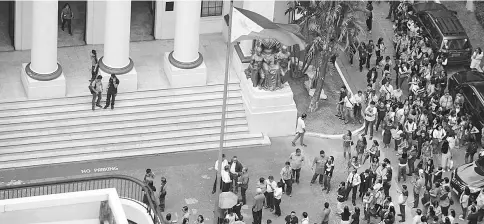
211 8
458 44
169 6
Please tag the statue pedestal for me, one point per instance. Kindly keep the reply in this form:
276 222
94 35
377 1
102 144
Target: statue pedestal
272 113
35 89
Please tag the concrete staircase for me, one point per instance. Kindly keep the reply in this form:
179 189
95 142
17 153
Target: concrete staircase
41 132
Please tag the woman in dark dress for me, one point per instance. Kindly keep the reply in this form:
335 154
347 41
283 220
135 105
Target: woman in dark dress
387 134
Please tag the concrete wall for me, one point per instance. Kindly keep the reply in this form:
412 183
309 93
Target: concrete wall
135 212
72 208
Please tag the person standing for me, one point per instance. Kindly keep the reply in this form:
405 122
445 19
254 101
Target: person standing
235 171
305 219
464 202
300 131
244 184
358 101
96 90
286 177
66 17
418 185
292 218
271 186
328 173
402 200
318 167
402 167
370 116
94 65
347 142
370 47
162 194
369 17
257 207
296 159
226 181
341 197
326 213
277 199
365 182
476 59
112 91
224 163
353 182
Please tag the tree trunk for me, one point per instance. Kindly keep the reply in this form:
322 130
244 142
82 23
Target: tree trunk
313 106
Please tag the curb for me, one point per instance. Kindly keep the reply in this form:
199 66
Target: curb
337 136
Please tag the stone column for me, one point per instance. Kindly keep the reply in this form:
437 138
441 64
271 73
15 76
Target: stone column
43 64
116 38
184 66
185 54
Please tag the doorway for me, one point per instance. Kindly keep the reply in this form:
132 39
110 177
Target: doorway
142 20
78 25
7 25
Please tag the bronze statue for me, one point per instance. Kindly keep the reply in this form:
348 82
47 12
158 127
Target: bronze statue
270 62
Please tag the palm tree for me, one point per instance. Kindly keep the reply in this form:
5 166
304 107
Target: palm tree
327 26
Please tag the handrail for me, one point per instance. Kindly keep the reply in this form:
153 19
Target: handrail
126 186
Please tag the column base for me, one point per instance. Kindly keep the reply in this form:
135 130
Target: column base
36 89
272 113
179 77
117 71
128 82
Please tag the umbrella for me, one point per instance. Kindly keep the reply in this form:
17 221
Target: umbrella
248 25
227 200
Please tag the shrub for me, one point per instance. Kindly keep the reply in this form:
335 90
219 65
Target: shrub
479 11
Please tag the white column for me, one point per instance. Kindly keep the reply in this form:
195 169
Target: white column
117 37
43 56
187 34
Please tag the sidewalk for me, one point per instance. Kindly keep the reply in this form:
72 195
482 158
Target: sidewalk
382 27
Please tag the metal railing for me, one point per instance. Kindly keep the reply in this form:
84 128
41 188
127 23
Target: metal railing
126 186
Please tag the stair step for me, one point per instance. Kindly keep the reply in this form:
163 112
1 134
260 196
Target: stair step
69 136
38 151
85 111
79 100
131 153
234 118
94 121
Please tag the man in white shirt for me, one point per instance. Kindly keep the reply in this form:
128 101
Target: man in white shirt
226 181
224 163
418 217
387 90
358 100
353 182
397 94
370 117
348 107
305 219
300 130
296 159
277 199
271 187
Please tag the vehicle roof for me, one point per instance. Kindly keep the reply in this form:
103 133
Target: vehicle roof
428 6
447 22
479 86
469 77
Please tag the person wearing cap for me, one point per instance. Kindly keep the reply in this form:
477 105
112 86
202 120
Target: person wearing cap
257 207
97 87
112 91
300 131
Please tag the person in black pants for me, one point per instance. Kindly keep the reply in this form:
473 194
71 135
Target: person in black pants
66 16
369 18
381 113
112 91
362 53
369 48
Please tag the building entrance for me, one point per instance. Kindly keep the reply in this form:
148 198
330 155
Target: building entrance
76 36
142 20
7 24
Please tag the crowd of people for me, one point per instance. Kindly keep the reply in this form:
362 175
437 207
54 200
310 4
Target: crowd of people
414 111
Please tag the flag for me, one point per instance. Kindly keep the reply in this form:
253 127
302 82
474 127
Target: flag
242 25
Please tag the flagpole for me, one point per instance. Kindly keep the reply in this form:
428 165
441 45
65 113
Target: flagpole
224 111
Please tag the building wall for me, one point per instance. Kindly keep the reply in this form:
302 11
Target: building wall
95 22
